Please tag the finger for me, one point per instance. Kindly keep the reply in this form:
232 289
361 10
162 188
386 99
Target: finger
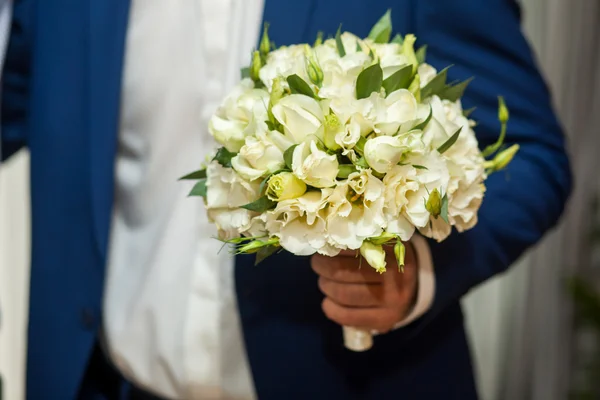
353 294
344 269
379 319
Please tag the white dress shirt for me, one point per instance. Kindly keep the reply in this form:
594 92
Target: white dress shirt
170 318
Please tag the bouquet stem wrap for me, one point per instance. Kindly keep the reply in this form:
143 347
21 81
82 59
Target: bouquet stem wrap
356 339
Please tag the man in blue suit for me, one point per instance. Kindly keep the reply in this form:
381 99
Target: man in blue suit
102 94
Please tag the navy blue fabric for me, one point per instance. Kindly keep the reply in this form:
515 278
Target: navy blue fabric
61 88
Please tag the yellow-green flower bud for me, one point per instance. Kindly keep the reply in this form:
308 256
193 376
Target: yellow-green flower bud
400 253
333 126
319 40
256 66
313 69
285 186
255 245
383 238
265 42
277 92
374 255
415 88
408 49
502 159
434 203
503 114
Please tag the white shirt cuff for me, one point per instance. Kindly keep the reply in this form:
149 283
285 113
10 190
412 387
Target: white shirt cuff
425 283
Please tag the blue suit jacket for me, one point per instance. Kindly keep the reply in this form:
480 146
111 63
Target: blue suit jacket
61 93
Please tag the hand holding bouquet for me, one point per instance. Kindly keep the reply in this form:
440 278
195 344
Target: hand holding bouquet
348 144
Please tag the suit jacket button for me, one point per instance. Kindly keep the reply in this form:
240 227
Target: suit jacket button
88 318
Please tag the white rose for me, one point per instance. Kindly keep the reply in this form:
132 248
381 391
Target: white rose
226 192
315 167
356 210
394 114
383 152
301 117
390 57
283 62
240 115
258 157
300 224
426 74
400 113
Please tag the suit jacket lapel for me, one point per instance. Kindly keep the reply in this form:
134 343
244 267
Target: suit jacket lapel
107 32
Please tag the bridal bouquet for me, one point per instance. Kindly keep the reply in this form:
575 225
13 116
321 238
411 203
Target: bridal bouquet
346 144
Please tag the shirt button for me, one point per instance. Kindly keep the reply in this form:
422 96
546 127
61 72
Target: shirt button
88 318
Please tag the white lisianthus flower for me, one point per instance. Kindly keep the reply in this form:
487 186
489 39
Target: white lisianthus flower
356 210
300 224
241 114
314 166
383 152
258 157
301 117
350 135
464 205
407 190
226 193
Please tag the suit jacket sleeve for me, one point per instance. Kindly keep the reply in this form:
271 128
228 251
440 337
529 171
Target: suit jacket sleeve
16 79
483 39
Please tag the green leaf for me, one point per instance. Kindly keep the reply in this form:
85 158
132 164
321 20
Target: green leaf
420 167
398 80
424 124
271 126
261 205
369 81
288 155
245 72
200 174
421 54
345 170
299 86
264 252
224 157
382 30
199 189
436 85
338 42
398 39
443 148
358 48
372 54
444 211
467 113
359 147
455 92
362 162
